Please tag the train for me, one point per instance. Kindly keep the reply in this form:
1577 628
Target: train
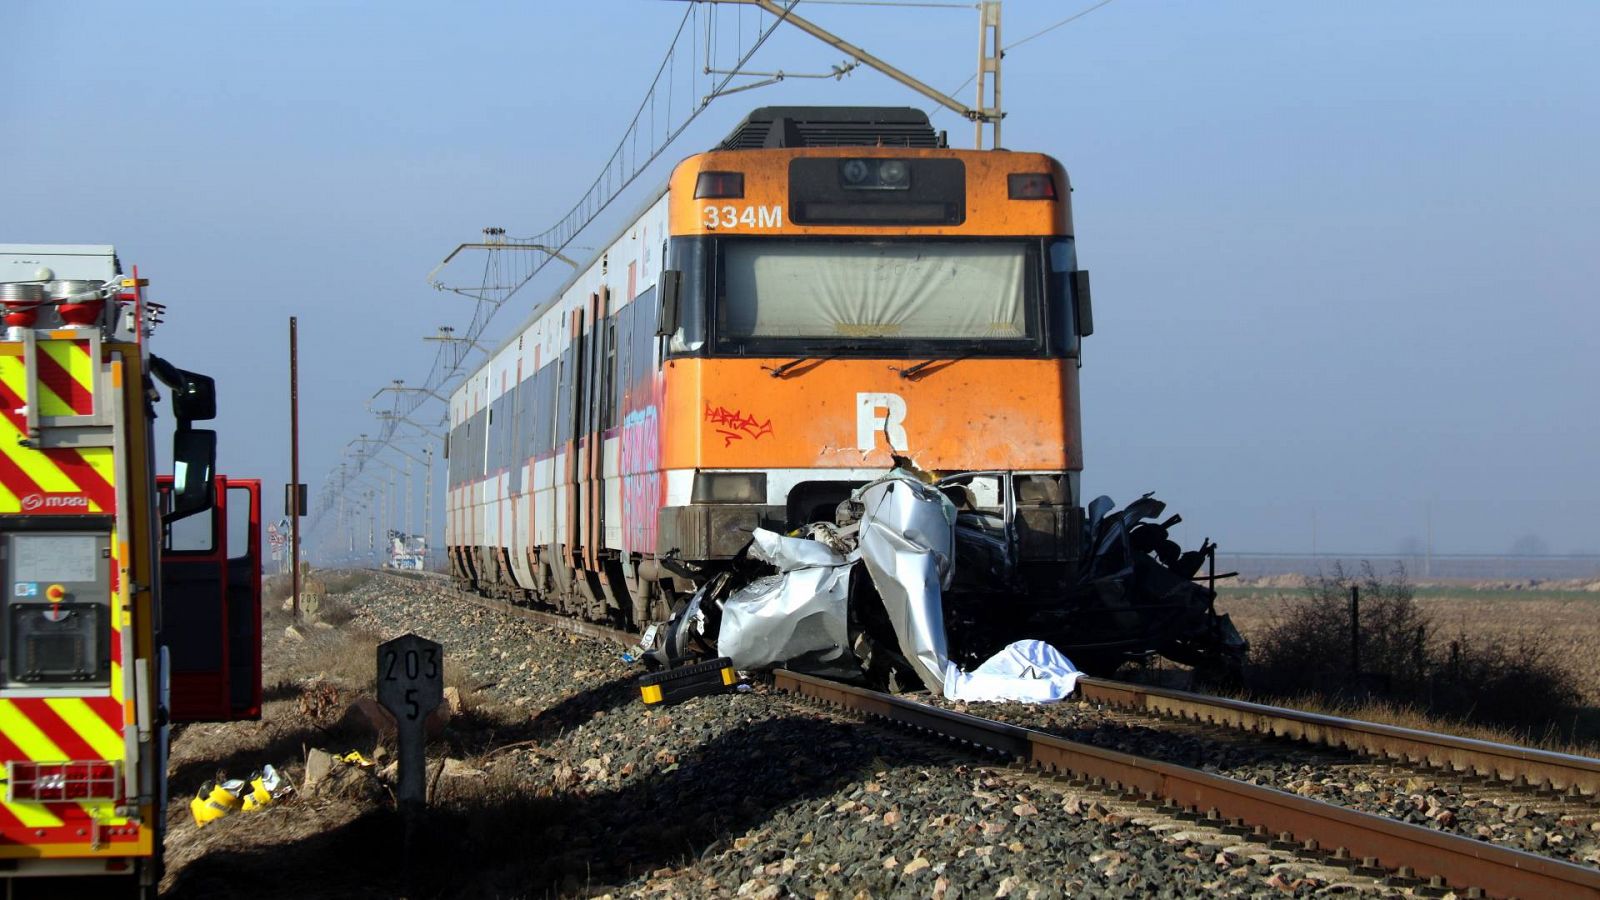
829 294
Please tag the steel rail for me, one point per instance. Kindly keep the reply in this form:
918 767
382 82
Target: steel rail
1497 764
1376 841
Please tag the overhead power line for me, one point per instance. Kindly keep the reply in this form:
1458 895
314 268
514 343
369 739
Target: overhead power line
1049 28
1040 33
685 82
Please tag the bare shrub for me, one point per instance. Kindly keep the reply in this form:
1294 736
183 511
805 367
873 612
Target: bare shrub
1307 651
1521 684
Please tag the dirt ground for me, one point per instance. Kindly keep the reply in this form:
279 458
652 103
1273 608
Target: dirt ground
308 678
348 842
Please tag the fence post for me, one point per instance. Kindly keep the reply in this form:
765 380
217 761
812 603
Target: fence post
1355 631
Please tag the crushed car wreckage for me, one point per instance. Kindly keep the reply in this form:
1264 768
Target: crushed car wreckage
915 583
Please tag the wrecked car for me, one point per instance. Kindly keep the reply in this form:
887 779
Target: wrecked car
913 581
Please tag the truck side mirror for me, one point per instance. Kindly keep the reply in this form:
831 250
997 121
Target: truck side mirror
196 400
1080 297
667 312
194 396
194 469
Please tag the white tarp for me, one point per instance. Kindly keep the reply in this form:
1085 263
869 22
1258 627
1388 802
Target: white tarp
907 541
1026 671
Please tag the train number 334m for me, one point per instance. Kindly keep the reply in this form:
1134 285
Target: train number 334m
730 216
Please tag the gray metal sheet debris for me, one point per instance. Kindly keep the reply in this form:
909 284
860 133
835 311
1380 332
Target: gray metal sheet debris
907 541
799 617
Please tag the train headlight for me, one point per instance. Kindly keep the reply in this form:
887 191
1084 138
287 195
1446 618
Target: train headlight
894 173
875 174
729 487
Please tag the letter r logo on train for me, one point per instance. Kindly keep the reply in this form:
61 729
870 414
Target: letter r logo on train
880 415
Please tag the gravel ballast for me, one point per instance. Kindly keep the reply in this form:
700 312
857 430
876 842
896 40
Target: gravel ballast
1552 827
574 787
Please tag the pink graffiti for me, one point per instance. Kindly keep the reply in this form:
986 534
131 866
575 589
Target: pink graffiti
641 479
734 425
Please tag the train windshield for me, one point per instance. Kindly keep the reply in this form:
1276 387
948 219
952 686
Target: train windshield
786 294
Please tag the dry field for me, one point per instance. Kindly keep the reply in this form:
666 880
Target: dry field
1567 621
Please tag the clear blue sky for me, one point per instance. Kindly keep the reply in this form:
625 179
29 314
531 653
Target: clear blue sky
1344 254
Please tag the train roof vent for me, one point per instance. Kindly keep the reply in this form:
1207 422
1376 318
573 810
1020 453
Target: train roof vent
833 126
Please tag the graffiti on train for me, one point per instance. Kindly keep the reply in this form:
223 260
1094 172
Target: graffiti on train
734 425
641 479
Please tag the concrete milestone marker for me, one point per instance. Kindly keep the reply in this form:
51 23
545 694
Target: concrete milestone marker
411 685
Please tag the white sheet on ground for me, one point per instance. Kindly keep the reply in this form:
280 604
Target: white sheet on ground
1026 671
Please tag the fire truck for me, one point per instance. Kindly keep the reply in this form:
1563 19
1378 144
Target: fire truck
128 601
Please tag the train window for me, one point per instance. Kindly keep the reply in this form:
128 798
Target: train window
1060 313
609 379
901 290
689 256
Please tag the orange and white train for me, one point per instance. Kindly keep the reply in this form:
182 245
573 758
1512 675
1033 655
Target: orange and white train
826 291
125 603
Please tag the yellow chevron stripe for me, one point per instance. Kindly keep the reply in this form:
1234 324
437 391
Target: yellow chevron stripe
73 356
15 374
33 743
90 727
36 465
75 361
46 473
32 815
103 810
102 461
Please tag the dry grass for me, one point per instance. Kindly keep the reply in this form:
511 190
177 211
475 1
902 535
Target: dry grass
1570 626
1563 624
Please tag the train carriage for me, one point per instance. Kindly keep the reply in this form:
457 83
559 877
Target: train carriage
828 294
828 290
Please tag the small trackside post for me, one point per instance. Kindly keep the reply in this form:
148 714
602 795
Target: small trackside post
294 467
1355 633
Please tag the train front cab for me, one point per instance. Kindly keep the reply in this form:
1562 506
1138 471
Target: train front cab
784 389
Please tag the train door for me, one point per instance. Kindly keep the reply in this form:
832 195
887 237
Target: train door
211 605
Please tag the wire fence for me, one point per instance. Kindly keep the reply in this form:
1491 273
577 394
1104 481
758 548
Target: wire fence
1420 567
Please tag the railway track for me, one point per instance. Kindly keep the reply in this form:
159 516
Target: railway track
1524 769
1429 861
1402 853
